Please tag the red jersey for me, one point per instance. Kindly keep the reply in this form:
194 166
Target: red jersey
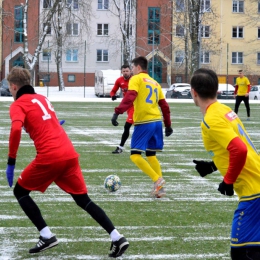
120 83
40 121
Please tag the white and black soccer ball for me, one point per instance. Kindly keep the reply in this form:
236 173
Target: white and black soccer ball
112 183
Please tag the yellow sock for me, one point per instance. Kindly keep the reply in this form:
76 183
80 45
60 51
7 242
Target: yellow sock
155 164
144 166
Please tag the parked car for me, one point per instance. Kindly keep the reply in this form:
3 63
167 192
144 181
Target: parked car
225 91
4 88
178 90
254 92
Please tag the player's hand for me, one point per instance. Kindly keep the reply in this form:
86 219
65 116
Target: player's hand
114 119
204 168
10 171
226 189
114 98
62 122
168 131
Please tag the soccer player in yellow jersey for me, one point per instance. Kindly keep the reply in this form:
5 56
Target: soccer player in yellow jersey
242 89
234 155
146 95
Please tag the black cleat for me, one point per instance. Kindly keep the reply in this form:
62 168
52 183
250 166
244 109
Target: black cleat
118 247
118 150
44 244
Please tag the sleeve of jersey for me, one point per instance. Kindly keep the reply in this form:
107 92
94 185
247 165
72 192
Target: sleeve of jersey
166 112
126 102
248 88
114 89
236 87
14 138
237 158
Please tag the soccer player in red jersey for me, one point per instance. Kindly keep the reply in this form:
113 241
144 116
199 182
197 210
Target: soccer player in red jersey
56 161
122 83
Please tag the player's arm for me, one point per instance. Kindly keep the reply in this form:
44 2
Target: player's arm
126 103
166 116
236 88
114 90
237 158
14 141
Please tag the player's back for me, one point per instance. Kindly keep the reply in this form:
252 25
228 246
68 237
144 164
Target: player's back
40 122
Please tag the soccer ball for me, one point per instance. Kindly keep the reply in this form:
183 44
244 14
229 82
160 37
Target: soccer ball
112 183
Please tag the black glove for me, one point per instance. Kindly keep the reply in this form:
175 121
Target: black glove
113 119
168 131
226 189
10 171
204 168
114 98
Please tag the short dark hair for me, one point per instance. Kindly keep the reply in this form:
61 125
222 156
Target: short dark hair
240 71
205 83
141 61
125 66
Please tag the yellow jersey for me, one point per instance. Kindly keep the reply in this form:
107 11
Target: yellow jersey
219 127
242 85
149 92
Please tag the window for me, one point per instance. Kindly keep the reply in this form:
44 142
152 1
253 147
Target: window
72 29
205 6
204 57
46 55
48 31
258 81
205 30
46 3
179 30
180 5
179 56
258 33
71 78
178 79
238 6
102 55
153 25
18 23
237 32
72 55
102 4
258 6
102 29
258 58
237 57
73 4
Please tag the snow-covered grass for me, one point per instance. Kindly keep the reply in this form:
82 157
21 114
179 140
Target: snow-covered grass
191 222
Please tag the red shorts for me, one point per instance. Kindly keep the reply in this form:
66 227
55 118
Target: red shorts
130 115
66 174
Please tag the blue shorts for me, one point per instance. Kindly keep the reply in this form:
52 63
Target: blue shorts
147 137
246 224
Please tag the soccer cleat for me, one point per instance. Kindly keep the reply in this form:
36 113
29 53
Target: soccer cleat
248 119
43 244
118 247
161 193
158 185
118 150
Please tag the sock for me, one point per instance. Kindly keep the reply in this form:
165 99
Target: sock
46 232
121 147
143 165
155 164
115 235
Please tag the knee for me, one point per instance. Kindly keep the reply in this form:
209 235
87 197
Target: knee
20 192
82 200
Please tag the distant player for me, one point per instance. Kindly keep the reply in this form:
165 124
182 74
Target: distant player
122 83
242 89
234 155
56 161
146 95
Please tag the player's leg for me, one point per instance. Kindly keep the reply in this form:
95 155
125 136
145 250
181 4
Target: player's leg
246 102
72 182
237 104
245 253
30 208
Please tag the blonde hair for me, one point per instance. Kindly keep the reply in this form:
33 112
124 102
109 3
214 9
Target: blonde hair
19 76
